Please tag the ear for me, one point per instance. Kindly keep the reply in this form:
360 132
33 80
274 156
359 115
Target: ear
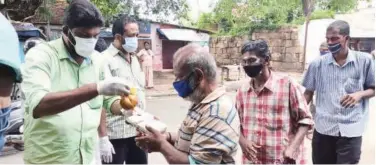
65 30
267 60
198 75
120 38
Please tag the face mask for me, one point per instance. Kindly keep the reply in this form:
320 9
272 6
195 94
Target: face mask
4 116
253 70
131 44
324 52
84 46
334 48
183 87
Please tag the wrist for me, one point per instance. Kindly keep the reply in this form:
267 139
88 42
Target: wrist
93 88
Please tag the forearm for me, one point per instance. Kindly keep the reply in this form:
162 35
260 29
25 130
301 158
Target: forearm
299 136
57 102
172 155
242 140
368 93
102 129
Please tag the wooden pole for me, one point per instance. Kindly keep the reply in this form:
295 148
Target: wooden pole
305 42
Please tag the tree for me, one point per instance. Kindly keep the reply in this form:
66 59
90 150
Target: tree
239 17
18 10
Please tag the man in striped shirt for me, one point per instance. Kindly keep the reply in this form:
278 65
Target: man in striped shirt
123 63
343 81
210 132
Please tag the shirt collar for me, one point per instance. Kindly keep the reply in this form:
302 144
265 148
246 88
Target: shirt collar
112 51
214 95
350 57
269 84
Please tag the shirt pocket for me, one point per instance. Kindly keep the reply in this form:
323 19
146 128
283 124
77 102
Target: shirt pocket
353 85
277 118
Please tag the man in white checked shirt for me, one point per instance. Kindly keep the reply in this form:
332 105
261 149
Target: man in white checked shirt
124 63
343 80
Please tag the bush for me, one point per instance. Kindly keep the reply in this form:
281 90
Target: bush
322 14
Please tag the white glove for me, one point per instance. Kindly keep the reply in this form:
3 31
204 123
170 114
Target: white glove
106 149
113 86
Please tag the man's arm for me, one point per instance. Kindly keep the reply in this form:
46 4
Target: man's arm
172 155
57 102
309 82
300 114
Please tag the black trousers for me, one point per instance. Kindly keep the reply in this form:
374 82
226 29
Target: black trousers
127 151
335 150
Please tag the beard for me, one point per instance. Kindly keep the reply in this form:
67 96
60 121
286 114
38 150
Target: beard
197 96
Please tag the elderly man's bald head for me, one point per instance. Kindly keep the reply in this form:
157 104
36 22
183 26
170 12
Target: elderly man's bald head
191 57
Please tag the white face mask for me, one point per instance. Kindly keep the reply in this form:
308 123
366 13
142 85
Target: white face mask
131 44
84 46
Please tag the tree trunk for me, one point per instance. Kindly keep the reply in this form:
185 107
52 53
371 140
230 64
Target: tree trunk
18 10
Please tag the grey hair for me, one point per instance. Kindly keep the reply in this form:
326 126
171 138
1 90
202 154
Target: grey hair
342 26
194 56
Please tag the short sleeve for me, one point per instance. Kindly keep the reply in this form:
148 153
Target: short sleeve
299 110
106 73
370 74
36 73
309 80
215 136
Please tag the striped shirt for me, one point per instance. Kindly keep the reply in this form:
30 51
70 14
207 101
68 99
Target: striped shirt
270 117
210 131
131 71
331 82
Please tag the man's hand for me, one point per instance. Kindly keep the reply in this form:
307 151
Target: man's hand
113 86
106 149
250 151
290 153
350 100
151 142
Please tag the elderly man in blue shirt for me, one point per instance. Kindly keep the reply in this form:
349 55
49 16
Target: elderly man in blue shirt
343 80
9 71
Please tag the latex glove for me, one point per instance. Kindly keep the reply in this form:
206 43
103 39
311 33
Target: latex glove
106 149
113 86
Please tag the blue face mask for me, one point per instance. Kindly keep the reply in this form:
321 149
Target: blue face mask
131 44
334 48
4 123
183 87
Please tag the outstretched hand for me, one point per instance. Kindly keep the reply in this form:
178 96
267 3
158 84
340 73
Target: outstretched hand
151 141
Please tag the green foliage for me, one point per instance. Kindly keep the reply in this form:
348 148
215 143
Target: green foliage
45 11
322 14
337 6
158 8
239 17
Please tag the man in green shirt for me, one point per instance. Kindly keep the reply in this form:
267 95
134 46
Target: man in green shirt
65 91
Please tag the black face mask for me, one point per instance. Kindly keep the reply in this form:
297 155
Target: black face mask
253 70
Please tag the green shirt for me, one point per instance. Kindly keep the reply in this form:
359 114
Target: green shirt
69 137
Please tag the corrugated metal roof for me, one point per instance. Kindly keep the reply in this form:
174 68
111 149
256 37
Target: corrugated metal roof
182 35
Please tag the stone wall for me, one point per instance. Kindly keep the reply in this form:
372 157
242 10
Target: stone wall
284 46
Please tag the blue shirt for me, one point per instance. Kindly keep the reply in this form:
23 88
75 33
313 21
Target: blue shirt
331 82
